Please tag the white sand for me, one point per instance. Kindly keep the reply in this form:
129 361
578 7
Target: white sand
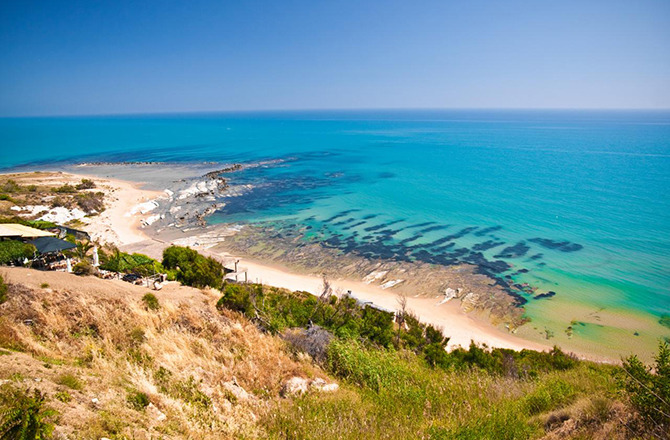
126 203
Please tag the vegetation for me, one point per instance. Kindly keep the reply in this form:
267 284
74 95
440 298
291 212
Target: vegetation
222 374
69 380
137 400
14 251
23 415
151 302
3 290
91 202
192 268
85 184
276 310
38 224
649 389
123 262
65 189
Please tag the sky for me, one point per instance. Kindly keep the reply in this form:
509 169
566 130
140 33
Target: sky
107 57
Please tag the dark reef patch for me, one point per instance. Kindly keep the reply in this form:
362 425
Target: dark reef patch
346 228
518 250
545 295
490 244
382 226
340 215
420 225
563 246
434 228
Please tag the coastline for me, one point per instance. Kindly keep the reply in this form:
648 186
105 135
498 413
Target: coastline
116 225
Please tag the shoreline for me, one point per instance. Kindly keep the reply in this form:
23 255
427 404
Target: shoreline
116 226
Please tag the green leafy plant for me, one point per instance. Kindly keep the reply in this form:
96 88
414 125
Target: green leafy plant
12 251
24 416
151 302
69 380
137 400
4 288
193 269
649 388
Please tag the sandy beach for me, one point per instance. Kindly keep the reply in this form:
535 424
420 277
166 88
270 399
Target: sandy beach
130 208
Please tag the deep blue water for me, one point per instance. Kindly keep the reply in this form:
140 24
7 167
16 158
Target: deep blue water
587 191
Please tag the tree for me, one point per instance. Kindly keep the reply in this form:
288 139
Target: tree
400 315
649 389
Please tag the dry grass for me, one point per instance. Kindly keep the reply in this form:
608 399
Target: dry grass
190 360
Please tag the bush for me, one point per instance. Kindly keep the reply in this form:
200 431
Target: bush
10 186
649 390
236 297
137 400
193 269
63 396
127 263
313 341
69 380
84 268
86 184
91 202
7 198
24 416
65 189
3 290
151 302
13 251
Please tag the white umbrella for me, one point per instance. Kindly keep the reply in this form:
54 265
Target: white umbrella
69 265
96 259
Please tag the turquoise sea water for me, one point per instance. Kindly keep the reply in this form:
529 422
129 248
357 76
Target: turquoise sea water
578 199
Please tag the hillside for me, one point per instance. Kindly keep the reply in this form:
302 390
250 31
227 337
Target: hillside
114 365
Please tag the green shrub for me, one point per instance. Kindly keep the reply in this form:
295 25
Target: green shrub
63 396
13 251
7 198
69 380
10 186
126 263
151 302
649 389
3 290
23 416
137 400
84 268
193 269
236 297
86 184
40 224
65 189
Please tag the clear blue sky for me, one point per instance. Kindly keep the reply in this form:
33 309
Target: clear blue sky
97 57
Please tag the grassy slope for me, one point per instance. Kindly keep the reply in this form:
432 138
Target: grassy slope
92 338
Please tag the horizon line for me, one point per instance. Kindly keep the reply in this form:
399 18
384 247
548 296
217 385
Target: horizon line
338 109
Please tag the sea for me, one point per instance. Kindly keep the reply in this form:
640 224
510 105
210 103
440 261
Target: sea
572 205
